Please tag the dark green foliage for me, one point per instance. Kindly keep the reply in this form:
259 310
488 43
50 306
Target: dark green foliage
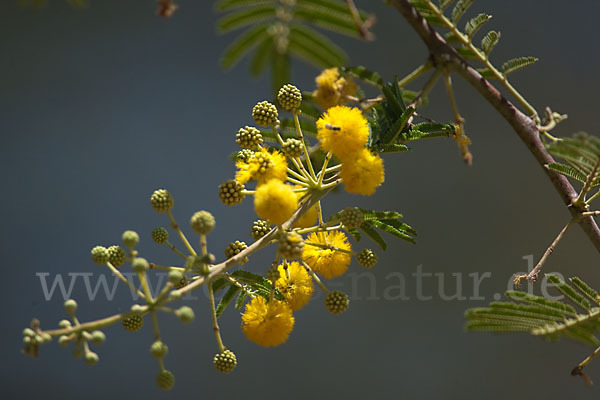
581 154
489 41
543 317
516 64
475 24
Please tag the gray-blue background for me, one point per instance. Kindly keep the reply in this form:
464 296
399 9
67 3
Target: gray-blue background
99 107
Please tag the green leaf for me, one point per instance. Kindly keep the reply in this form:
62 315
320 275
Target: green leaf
568 291
489 41
226 299
516 64
389 148
319 43
330 5
373 234
475 24
465 52
397 127
355 234
223 5
242 45
281 71
392 230
567 171
380 215
486 73
541 302
239 302
585 289
245 17
365 75
445 3
219 284
261 57
460 8
427 130
451 38
325 19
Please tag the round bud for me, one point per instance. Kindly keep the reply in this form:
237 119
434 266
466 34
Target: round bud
64 323
161 200
27 340
136 308
116 256
185 314
175 276
336 302
289 97
165 379
175 295
225 362
160 235
28 332
130 239
159 349
202 222
46 338
140 265
367 258
259 229
244 155
98 337
132 322
265 114
99 255
248 137
352 217
70 306
38 339
291 245
63 340
235 248
91 358
292 148
230 192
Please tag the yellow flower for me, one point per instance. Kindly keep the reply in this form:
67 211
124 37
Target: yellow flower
343 131
309 218
262 166
363 174
295 284
333 89
275 201
267 324
327 262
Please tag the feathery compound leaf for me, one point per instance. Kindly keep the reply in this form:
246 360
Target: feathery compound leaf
261 57
331 6
460 8
516 64
392 230
325 19
466 52
567 171
568 291
389 148
246 16
365 75
223 5
380 215
374 235
585 289
239 302
314 47
541 302
445 3
475 24
226 299
243 44
486 73
489 41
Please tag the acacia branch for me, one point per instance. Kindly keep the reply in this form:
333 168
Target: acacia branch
445 56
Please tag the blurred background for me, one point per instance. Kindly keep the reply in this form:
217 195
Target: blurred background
101 106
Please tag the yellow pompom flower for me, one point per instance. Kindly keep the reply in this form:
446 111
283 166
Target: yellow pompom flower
275 201
332 89
262 166
342 130
327 262
363 174
267 323
295 284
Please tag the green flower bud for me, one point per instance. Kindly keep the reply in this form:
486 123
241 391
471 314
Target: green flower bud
265 114
140 265
244 155
64 340
235 248
292 148
64 323
161 200
159 349
46 338
185 314
70 306
259 229
367 258
160 235
248 137
230 192
136 309
165 380
91 358
99 255
202 222
225 362
175 276
132 322
336 302
116 256
289 97
98 337
175 295
28 332
352 217
291 245
130 239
